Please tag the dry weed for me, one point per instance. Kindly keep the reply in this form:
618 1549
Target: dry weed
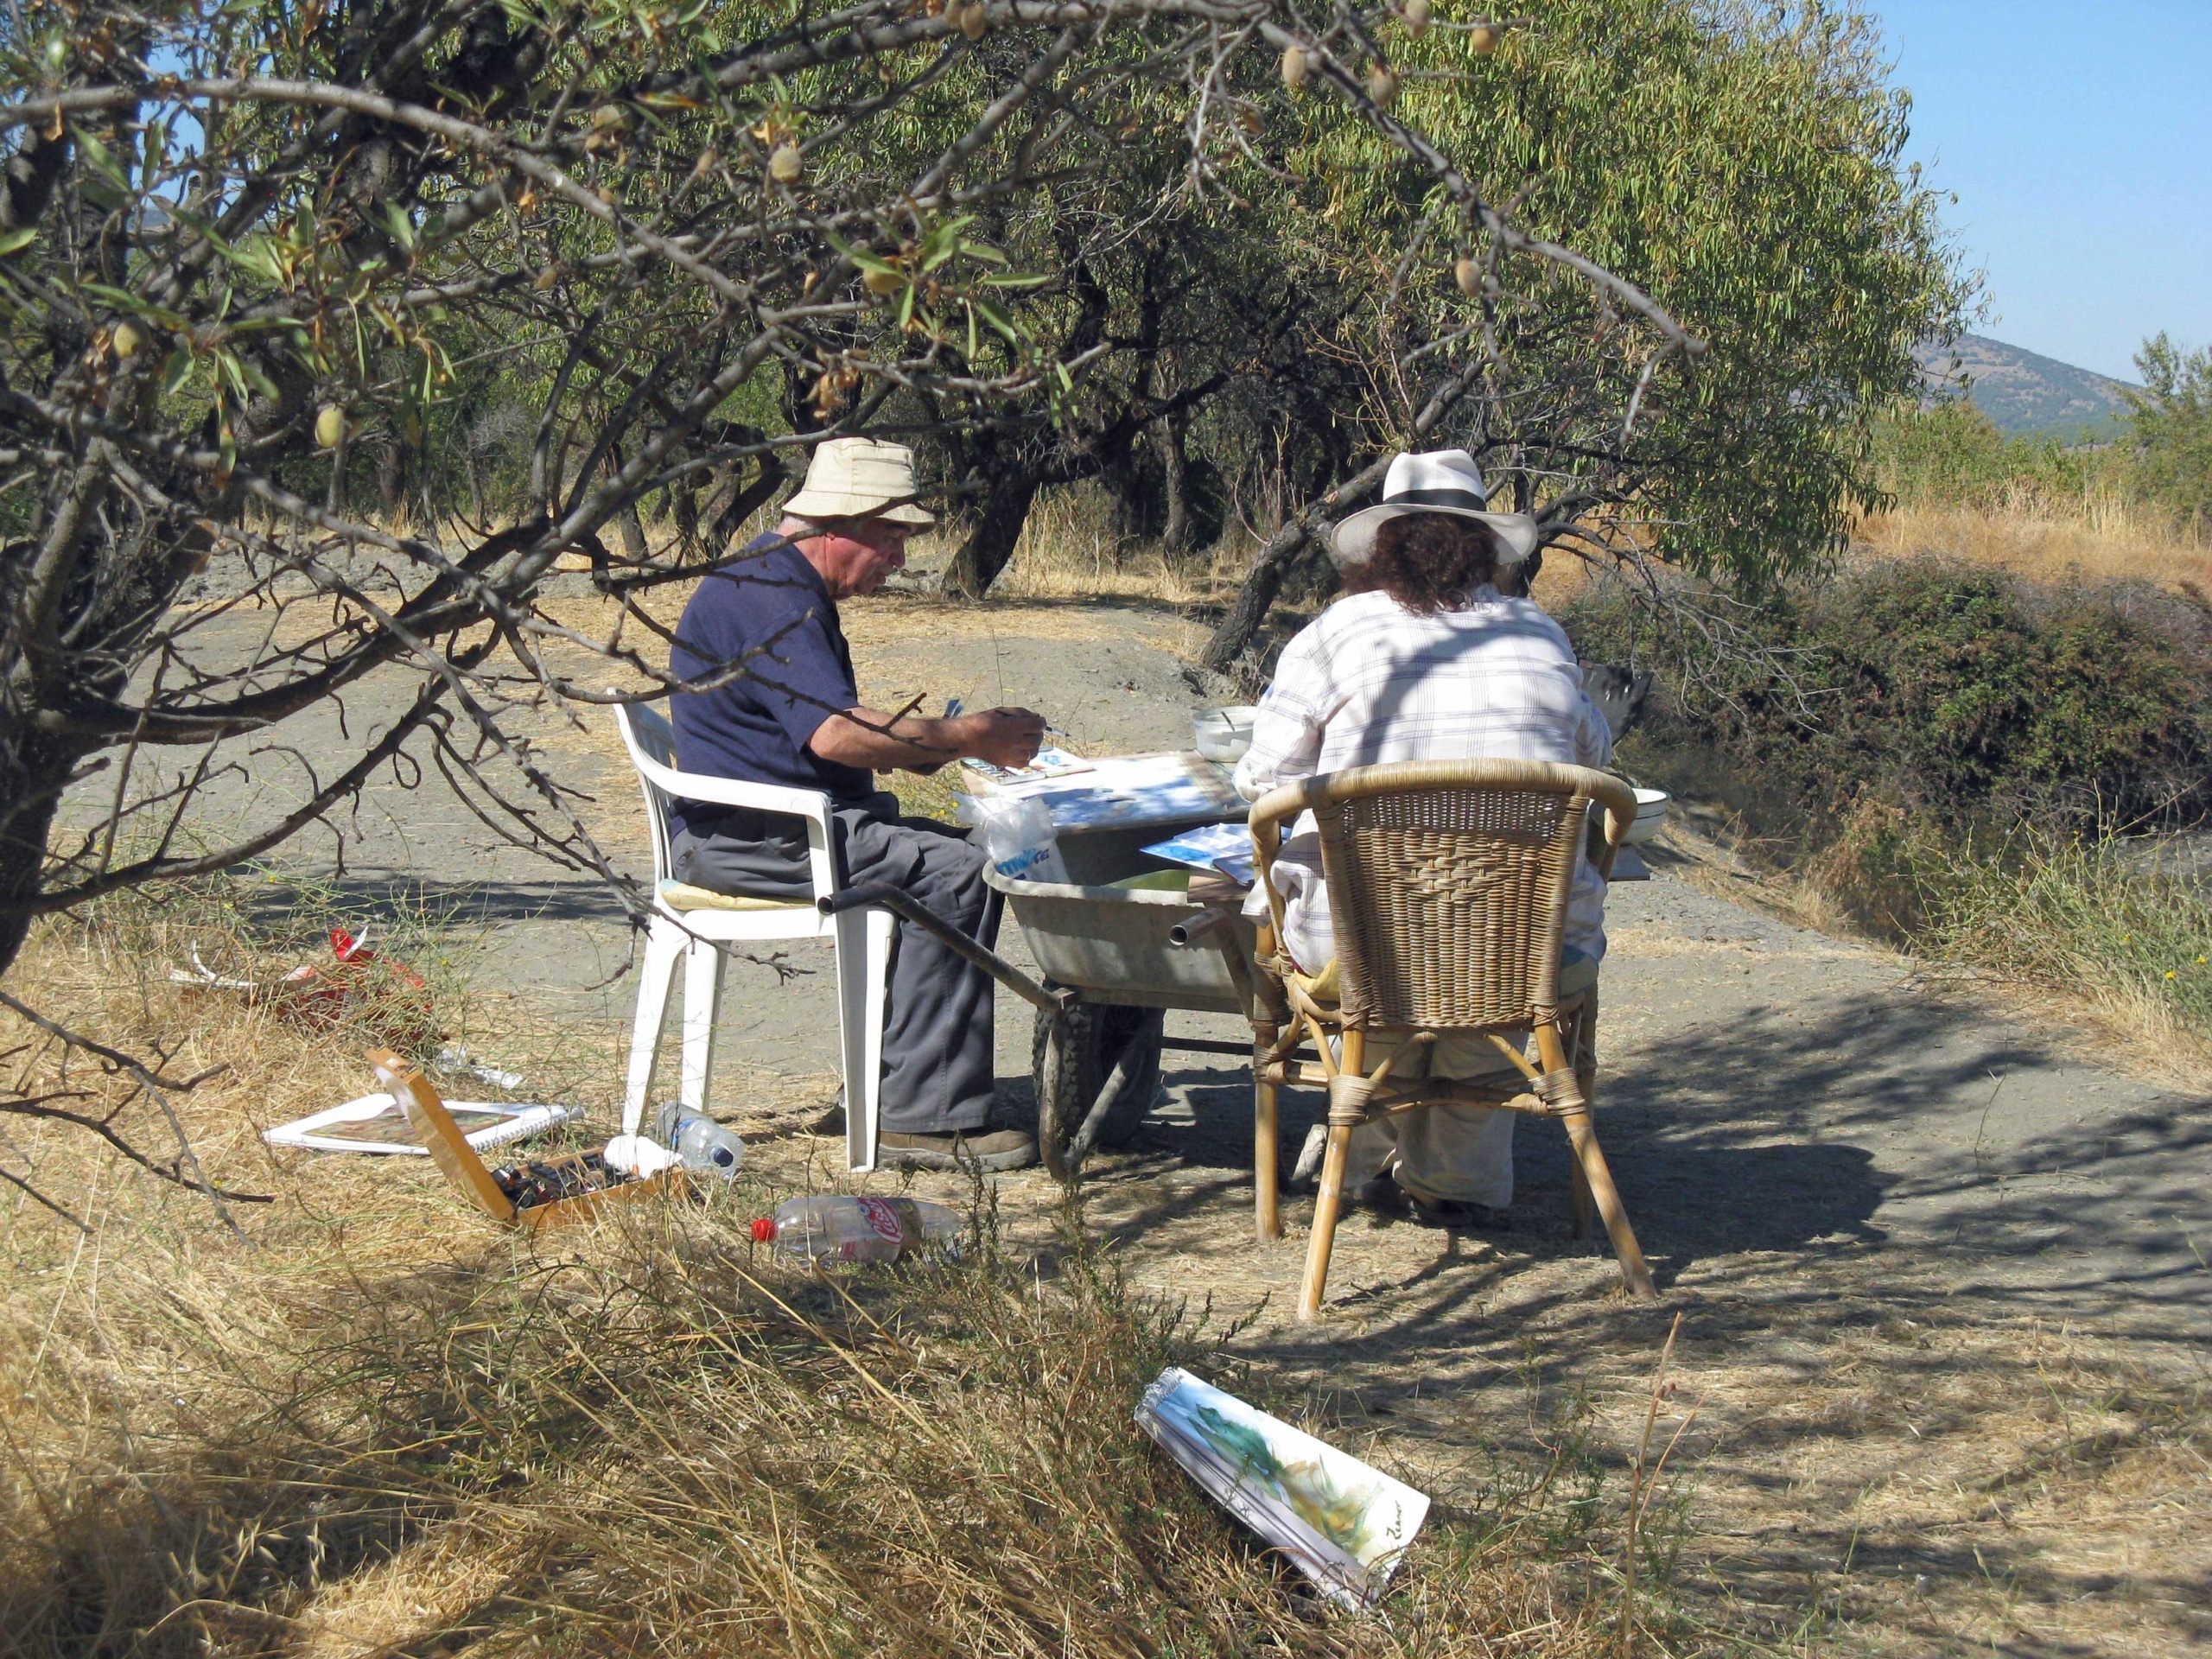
375 1425
2099 539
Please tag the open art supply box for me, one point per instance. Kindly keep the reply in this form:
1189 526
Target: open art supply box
581 1186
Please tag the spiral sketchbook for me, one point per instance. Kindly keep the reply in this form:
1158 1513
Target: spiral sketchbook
1343 1524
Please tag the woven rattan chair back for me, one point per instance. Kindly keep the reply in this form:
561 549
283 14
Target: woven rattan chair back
1448 883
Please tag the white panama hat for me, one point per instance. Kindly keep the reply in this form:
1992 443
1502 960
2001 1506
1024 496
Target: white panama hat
1440 480
860 478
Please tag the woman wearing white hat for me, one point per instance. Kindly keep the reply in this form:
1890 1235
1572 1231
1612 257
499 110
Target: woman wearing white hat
1433 654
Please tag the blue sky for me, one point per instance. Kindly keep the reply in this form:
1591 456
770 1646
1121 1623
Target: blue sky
2078 139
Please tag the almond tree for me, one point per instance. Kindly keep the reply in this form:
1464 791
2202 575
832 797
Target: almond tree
256 260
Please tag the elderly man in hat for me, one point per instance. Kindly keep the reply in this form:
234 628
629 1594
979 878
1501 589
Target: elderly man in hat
795 718
1434 653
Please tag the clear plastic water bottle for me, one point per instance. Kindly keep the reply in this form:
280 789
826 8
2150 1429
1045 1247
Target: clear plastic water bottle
701 1142
837 1227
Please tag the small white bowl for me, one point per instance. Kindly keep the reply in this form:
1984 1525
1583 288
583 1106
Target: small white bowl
1223 734
1650 813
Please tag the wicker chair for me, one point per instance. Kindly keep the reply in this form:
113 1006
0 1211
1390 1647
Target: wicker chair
1448 886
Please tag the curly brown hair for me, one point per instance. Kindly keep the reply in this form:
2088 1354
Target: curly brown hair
1429 562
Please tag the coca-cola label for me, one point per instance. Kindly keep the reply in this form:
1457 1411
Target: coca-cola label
884 1217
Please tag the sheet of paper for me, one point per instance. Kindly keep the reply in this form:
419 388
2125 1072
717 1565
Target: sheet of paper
1050 763
1226 847
1135 789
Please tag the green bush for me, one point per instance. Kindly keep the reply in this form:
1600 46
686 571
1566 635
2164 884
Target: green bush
1952 455
1959 693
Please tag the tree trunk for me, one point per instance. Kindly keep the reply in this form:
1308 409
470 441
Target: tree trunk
633 534
1130 515
990 544
392 479
1248 610
1175 467
32 775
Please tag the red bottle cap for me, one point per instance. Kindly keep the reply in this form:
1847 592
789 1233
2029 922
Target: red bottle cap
764 1232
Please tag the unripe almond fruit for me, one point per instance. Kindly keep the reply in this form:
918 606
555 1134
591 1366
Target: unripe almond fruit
1468 275
1416 15
785 165
127 340
883 282
1485 39
1381 85
1293 66
330 426
973 22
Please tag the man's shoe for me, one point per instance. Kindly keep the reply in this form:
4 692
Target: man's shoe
830 1126
992 1151
1454 1215
1381 1194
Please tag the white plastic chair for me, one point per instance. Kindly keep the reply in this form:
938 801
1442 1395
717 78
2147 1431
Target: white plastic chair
692 923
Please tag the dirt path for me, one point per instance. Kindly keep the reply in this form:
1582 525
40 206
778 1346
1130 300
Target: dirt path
1942 1276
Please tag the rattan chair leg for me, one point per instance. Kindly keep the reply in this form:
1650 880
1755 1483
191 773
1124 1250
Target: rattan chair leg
1580 1204
1582 1044
1583 1137
1327 1204
1266 1168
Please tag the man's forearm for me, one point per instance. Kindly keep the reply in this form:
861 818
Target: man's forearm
871 739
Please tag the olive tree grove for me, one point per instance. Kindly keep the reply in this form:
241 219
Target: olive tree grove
267 270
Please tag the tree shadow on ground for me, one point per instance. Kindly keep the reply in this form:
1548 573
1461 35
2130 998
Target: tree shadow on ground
282 903
1916 1131
1907 1238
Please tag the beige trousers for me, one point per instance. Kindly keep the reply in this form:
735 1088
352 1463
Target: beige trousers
1445 1152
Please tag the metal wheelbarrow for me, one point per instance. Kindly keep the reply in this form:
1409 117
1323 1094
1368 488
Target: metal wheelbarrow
1116 959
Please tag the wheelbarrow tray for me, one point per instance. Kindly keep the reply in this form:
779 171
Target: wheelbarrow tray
1111 945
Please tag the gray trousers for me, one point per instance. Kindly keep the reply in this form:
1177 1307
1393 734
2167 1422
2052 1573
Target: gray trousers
938 1054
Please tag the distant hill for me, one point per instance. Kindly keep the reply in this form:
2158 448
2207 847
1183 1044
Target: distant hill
2023 393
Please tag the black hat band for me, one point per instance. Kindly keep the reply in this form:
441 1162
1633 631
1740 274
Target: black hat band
1466 500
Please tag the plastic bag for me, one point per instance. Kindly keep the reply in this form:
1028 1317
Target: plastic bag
1018 837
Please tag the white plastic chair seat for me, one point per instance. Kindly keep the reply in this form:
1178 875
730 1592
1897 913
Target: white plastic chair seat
689 924
682 896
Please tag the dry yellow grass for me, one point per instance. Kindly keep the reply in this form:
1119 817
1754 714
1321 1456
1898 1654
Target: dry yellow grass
2099 539
372 1424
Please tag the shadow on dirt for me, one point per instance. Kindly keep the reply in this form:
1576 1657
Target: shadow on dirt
1913 1132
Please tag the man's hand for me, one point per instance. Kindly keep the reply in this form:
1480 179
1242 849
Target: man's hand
864 737
1005 737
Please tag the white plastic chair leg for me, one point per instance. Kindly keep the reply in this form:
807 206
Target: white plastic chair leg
702 1008
665 943
863 945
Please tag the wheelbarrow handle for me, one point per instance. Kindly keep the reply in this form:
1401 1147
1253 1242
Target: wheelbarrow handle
903 904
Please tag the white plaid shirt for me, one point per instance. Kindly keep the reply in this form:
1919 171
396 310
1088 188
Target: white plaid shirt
1368 682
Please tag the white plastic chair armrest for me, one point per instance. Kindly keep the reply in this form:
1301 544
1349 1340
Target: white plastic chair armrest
811 804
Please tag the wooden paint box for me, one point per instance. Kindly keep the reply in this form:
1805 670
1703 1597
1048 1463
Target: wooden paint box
593 1189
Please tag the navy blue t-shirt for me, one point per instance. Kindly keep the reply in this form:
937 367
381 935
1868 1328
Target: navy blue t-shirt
771 613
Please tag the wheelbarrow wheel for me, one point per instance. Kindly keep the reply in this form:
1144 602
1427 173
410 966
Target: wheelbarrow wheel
1096 1068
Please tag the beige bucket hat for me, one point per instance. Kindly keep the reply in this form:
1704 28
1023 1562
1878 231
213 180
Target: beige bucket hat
1440 480
860 478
